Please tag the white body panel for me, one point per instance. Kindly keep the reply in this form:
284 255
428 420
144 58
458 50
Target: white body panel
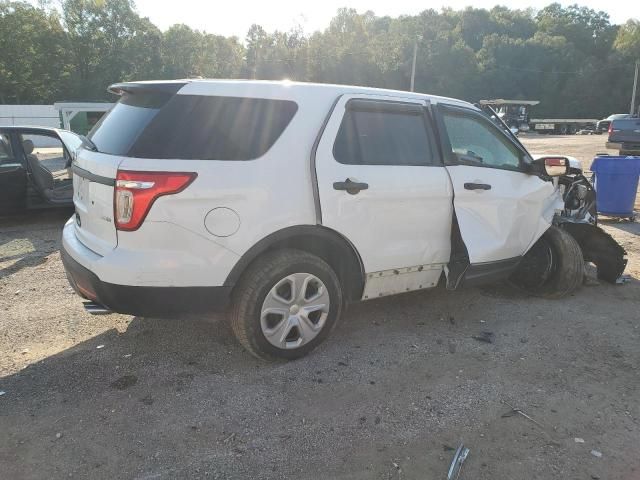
93 201
503 222
401 223
402 220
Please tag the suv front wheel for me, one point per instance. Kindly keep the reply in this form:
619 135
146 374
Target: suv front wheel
286 304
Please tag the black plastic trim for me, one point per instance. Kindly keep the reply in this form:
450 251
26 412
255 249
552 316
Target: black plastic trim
134 87
144 301
386 106
92 177
314 173
489 272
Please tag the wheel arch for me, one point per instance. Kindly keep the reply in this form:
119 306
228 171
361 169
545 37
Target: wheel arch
332 247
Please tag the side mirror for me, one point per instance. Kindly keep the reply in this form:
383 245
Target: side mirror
552 166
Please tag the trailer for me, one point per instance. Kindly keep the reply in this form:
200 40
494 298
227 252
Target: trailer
515 113
562 126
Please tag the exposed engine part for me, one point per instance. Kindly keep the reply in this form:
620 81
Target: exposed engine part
580 218
579 199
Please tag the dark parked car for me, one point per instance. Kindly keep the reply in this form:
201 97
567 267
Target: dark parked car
35 167
624 135
603 125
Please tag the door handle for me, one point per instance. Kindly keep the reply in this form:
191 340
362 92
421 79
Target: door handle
477 186
350 186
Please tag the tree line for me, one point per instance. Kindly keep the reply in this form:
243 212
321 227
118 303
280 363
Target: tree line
572 58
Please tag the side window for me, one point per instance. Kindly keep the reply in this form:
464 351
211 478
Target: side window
378 137
6 154
214 128
475 141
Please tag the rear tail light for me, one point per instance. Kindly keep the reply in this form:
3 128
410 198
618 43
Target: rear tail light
136 191
610 131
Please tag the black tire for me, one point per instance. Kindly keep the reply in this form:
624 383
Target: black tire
553 267
601 249
257 282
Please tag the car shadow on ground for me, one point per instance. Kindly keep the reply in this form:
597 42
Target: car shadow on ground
22 245
176 398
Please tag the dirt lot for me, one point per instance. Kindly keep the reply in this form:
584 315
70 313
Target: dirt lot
399 383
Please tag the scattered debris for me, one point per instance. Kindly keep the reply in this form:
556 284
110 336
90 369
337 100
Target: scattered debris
456 463
127 355
2 392
447 448
17 292
229 438
58 435
485 337
622 279
517 411
148 400
100 346
452 346
578 440
596 453
25 351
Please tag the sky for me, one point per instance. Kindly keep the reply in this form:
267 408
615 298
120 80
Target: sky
235 17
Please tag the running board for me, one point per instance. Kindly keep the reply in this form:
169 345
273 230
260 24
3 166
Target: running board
96 309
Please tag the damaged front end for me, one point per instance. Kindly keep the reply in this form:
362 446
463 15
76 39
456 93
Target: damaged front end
580 219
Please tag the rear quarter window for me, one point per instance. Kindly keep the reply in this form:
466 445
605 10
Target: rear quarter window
214 128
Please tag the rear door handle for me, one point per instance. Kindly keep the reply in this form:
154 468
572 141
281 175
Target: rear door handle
477 186
350 186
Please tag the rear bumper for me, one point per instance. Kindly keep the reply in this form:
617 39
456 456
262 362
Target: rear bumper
144 301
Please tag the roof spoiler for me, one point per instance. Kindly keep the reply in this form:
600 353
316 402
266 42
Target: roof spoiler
136 87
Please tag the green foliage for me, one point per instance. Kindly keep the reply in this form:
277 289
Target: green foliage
571 58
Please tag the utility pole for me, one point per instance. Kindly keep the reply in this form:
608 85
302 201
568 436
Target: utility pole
633 94
415 56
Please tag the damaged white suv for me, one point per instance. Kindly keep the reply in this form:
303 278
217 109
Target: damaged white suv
282 202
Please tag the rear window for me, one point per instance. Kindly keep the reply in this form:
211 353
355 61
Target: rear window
193 127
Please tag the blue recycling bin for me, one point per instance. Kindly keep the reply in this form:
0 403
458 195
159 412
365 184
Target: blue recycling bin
616 182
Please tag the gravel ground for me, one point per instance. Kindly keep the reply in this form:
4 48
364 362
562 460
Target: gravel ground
400 382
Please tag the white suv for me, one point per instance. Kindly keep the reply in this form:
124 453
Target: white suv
285 201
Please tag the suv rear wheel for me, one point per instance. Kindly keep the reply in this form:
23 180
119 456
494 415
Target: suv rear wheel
286 304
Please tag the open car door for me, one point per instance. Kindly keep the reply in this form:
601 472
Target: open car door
47 155
500 209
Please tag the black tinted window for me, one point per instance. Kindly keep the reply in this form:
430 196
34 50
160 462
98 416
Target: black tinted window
375 137
192 127
214 128
117 131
